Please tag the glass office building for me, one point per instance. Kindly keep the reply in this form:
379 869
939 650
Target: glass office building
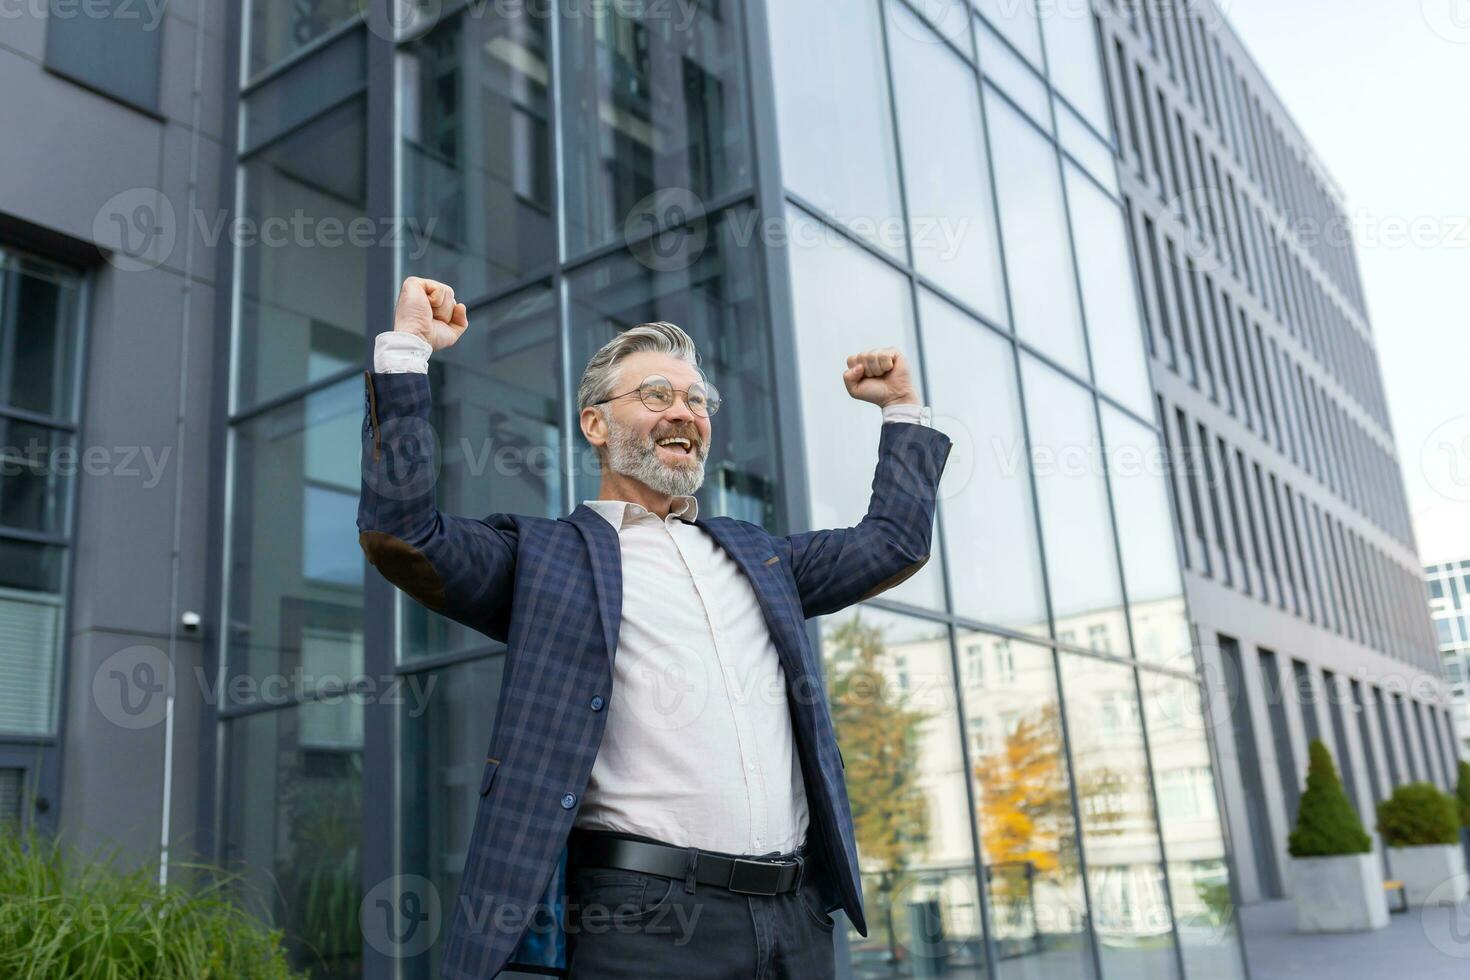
1449 605
1031 775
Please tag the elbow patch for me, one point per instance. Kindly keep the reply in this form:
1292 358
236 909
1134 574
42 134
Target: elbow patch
893 580
405 566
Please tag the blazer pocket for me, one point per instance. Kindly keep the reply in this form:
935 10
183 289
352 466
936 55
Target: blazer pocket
491 765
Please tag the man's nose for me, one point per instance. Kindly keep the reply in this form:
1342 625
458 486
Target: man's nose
679 411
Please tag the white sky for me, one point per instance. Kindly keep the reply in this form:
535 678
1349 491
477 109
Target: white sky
1381 89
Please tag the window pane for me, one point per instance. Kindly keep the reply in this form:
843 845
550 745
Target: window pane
1146 536
36 482
443 759
846 301
835 125
987 519
1120 839
30 628
1027 827
496 413
1083 143
304 90
477 170
278 28
1075 529
1113 327
1016 19
38 336
293 828
890 688
302 277
1034 225
1199 877
1013 76
294 609
951 214
112 46
1072 61
31 566
652 102
718 299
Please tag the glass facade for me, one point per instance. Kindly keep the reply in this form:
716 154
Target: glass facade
790 182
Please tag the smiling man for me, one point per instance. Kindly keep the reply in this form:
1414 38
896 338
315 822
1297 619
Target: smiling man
663 794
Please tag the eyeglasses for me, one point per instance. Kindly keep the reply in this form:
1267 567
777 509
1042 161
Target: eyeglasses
657 394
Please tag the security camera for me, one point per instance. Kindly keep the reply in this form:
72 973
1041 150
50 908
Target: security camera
190 621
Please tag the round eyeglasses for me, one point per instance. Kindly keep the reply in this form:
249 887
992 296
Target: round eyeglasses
657 394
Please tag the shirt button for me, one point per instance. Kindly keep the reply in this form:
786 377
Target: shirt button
597 703
569 801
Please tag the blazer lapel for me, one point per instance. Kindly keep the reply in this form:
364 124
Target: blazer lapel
607 571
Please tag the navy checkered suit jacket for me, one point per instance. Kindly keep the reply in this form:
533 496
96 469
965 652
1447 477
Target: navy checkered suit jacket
552 591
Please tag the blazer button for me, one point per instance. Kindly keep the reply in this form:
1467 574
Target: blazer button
597 702
568 801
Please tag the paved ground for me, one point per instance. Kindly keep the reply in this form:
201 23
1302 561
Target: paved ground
1428 944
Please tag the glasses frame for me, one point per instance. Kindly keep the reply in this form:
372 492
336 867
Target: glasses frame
709 389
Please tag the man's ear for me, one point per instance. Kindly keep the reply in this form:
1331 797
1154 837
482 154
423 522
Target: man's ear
594 427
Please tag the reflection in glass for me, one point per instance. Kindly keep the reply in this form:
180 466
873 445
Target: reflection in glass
1199 878
293 828
1034 224
836 129
1120 838
1076 532
39 334
495 412
985 496
278 28
1150 553
302 275
717 297
945 167
443 757
1072 60
295 603
890 687
1113 328
1027 829
653 99
477 171
846 301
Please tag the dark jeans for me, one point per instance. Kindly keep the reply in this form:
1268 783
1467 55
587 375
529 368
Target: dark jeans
629 925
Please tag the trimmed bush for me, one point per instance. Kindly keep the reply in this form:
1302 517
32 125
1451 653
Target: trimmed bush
1326 823
62 915
1462 794
1417 814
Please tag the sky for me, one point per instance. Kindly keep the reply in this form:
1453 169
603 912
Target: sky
1379 88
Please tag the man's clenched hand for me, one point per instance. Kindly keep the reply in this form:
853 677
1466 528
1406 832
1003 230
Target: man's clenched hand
880 376
427 309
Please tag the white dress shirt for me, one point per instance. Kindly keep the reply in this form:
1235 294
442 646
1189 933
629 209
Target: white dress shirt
698 748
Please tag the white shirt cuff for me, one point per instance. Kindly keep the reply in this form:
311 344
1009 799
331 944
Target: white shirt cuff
400 352
918 414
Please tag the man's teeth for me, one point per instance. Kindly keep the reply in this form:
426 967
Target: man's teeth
676 440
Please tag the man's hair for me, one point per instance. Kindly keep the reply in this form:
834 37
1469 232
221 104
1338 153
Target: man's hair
602 370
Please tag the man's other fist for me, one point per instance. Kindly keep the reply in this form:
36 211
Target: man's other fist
880 376
427 310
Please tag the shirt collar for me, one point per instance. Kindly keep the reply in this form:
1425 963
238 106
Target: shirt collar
618 512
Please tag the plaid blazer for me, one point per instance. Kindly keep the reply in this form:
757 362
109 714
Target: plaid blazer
551 590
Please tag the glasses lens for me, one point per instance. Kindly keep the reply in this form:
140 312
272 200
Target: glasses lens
704 399
656 393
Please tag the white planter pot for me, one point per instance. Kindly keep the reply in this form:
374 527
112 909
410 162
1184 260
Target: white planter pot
1338 894
1433 874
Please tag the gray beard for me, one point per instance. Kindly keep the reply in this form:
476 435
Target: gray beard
636 456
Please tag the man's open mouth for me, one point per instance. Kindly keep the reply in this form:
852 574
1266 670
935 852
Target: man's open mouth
678 445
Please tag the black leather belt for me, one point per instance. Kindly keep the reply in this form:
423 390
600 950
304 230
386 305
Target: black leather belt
747 875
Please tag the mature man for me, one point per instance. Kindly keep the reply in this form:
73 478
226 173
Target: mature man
663 783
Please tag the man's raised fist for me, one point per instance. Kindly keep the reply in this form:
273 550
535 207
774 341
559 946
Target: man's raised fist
427 310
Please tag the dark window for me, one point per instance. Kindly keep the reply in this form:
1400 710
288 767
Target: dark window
111 46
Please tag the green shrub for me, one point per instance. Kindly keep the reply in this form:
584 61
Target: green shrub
1462 794
88 920
1418 813
1326 822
